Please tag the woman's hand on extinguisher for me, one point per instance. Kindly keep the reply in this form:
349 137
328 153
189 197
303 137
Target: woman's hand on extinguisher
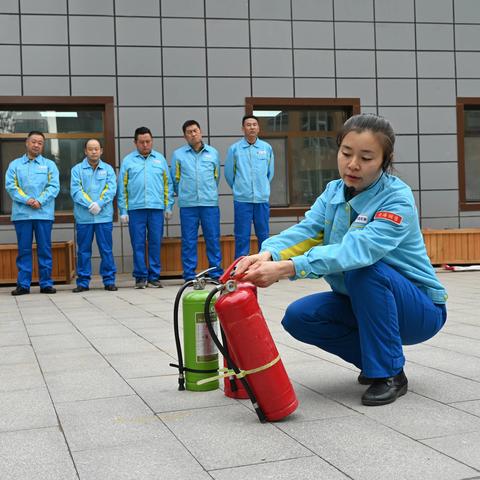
264 273
251 262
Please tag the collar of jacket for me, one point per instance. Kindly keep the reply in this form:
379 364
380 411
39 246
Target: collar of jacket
37 159
245 144
86 164
153 154
360 200
204 147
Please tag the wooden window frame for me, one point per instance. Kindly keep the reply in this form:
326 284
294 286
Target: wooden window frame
53 102
287 102
464 205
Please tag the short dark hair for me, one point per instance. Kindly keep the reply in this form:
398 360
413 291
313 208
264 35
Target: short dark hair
89 140
246 117
379 126
36 132
142 131
189 123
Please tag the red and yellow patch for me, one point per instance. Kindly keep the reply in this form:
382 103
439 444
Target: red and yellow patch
392 217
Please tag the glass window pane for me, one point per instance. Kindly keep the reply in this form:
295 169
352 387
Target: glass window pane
472 169
278 191
314 164
472 122
51 121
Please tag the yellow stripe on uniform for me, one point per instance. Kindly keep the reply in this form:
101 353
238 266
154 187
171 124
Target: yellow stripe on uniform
165 189
177 172
104 191
302 247
17 186
215 173
125 191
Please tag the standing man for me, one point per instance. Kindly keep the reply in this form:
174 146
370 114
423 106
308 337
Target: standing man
195 172
93 186
145 196
32 182
249 170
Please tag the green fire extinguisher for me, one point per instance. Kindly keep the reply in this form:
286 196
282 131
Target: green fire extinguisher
201 354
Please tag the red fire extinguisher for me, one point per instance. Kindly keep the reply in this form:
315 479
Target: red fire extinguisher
251 350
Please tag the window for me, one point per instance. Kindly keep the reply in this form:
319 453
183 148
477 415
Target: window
302 132
67 123
468 138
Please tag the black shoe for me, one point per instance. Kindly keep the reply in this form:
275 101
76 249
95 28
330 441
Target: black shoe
110 288
385 390
20 291
140 283
48 290
79 289
363 380
155 284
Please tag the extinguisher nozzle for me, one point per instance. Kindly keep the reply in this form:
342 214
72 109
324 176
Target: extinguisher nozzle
181 384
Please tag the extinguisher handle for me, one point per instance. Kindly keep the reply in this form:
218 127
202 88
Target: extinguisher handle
228 274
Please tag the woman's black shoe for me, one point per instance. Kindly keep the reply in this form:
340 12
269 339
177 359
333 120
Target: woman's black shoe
385 390
20 291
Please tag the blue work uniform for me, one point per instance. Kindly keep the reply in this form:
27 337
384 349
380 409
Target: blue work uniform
195 178
88 185
145 192
249 170
38 179
370 250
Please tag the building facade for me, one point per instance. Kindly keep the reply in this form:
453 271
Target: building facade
301 65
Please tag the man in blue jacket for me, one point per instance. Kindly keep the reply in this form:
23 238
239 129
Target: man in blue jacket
249 170
145 196
195 172
32 181
93 186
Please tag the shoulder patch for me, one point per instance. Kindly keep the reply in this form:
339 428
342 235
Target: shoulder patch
392 217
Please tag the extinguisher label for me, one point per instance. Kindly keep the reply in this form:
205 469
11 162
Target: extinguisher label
205 348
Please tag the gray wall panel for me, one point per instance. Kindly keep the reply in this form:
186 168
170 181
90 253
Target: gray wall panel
228 91
185 91
226 33
38 29
9 29
438 148
397 91
139 60
9 59
272 87
436 92
135 91
437 176
312 10
314 63
45 60
138 31
437 11
184 61
395 36
43 6
314 87
356 10
313 35
279 9
91 30
91 7
224 62
271 63
149 8
354 35
182 8
436 64
46 86
355 63
434 37
440 203
266 33
11 85
227 8
406 149
437 120
393 10
396 64
92 60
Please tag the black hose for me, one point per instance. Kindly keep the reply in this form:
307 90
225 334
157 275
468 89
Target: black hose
181 369
223 351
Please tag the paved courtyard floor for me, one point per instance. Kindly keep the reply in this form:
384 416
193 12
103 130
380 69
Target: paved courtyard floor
86 393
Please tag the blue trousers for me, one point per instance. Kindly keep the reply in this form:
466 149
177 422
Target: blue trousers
382 311
244 214
146 225
190 219
103 235
43 237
